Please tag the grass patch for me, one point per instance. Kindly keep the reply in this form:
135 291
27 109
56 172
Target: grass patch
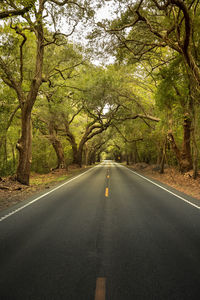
62 178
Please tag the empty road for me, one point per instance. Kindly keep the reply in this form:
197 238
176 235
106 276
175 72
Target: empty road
107 234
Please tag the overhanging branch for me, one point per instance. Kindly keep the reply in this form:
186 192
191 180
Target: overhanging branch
15 12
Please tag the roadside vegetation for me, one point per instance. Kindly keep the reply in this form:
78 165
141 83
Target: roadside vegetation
60 109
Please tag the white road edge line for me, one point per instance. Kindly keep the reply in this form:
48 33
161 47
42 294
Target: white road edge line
192 204
38 198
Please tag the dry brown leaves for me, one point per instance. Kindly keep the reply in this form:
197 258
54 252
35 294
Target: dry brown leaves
172 177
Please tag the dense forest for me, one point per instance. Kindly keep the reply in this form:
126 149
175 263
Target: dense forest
76 88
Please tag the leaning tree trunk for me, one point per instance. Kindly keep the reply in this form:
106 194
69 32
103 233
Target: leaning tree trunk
24 147
59 153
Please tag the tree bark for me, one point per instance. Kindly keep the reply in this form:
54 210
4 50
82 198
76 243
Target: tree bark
78 158
59 152
98 157
24 144
24 147
183 156
194 141
92 157
186 153
86 154
80 152
195 157
72 141
135 158
57 146
162 163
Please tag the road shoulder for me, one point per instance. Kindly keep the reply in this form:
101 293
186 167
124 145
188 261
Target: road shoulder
183 186
13 193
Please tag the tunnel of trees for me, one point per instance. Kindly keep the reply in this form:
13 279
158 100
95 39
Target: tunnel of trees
59 106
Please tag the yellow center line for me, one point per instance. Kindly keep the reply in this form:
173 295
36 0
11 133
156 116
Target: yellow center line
108 176
106 192
100 293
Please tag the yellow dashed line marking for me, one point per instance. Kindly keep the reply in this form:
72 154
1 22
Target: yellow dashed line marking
100 293
106 192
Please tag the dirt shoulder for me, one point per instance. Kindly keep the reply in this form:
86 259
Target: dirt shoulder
12 192
172 177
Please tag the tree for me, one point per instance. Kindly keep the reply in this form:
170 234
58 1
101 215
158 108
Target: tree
153 35
15 80
25 81
146 27
173 95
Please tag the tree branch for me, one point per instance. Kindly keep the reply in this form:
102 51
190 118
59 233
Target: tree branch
19 31
126 140
148 117
15 12
62 3
9 123
73 117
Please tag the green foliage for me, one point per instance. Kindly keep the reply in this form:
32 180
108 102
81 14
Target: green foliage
43 156
148 79
172 90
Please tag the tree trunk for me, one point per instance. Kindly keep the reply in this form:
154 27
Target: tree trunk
13 154
72 141
162 163
75 153
57 146
98 157
78 159
24 147
85 154
183 156
5 153
127 159
93 157
59 153
195 159
90 157
135 154
195 146
27 100
186 158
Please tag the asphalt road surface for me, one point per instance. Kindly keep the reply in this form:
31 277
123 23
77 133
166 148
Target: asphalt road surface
108 234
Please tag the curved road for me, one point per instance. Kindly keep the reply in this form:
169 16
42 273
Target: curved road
107 234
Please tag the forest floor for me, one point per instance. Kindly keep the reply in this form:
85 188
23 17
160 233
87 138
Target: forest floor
172 177
12 192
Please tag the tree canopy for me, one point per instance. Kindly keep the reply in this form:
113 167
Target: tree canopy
57 107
